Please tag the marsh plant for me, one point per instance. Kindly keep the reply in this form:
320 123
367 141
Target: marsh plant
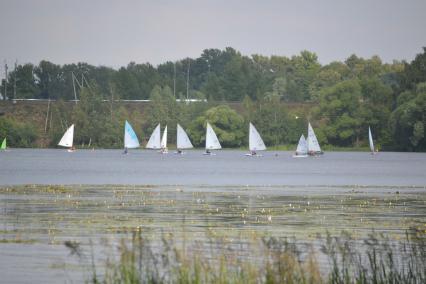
329 259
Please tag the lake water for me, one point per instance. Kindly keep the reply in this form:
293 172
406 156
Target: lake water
108 194
226 168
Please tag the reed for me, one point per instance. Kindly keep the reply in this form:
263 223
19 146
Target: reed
376 259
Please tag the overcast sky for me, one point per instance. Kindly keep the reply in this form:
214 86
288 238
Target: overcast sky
113 33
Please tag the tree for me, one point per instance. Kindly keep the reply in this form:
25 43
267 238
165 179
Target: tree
127 84
408 121
375 109
213 88
17 134
163 109
306 66
234 82
272 121
94 122
327 77
49 79
228 125
415 72
339 106
26 87
285 89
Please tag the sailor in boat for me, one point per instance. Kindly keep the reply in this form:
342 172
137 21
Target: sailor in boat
179 151
253 153
208 151
313 153
125 150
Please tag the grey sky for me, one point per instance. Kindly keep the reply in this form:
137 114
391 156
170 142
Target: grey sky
113 33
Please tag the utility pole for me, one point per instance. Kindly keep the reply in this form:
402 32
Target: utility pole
80 85
47 116
112 99
174 79
73 85
74 79
187 82
85 80
5 80
14 81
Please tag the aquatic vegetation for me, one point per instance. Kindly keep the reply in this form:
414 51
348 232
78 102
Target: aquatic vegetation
219 234
16 241
376 259
34 189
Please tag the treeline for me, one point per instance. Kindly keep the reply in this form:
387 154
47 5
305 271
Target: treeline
346 97
101 124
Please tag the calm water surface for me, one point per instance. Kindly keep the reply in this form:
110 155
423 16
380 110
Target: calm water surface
107 195
19 166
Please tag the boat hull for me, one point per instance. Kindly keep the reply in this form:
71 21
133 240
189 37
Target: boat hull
315 153
300 156
255 155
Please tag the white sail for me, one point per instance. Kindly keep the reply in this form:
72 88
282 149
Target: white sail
212 143
183 141
67 139
312 141
154 141
370 140
130 138
255 141
302 147
163 143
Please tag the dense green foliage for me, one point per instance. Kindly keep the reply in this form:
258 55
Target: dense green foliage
343 98
408 121
17 134
227 124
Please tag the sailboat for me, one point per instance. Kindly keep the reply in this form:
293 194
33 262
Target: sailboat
314 148
3 145
130 138
255 141
154 141
182 140
163 143
67 139
302 148
370 140
212 143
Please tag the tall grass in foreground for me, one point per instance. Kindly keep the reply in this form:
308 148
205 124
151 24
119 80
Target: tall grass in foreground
376 259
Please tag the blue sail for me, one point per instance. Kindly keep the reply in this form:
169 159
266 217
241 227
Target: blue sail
130 138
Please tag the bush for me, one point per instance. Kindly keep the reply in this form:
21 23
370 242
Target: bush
19 135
